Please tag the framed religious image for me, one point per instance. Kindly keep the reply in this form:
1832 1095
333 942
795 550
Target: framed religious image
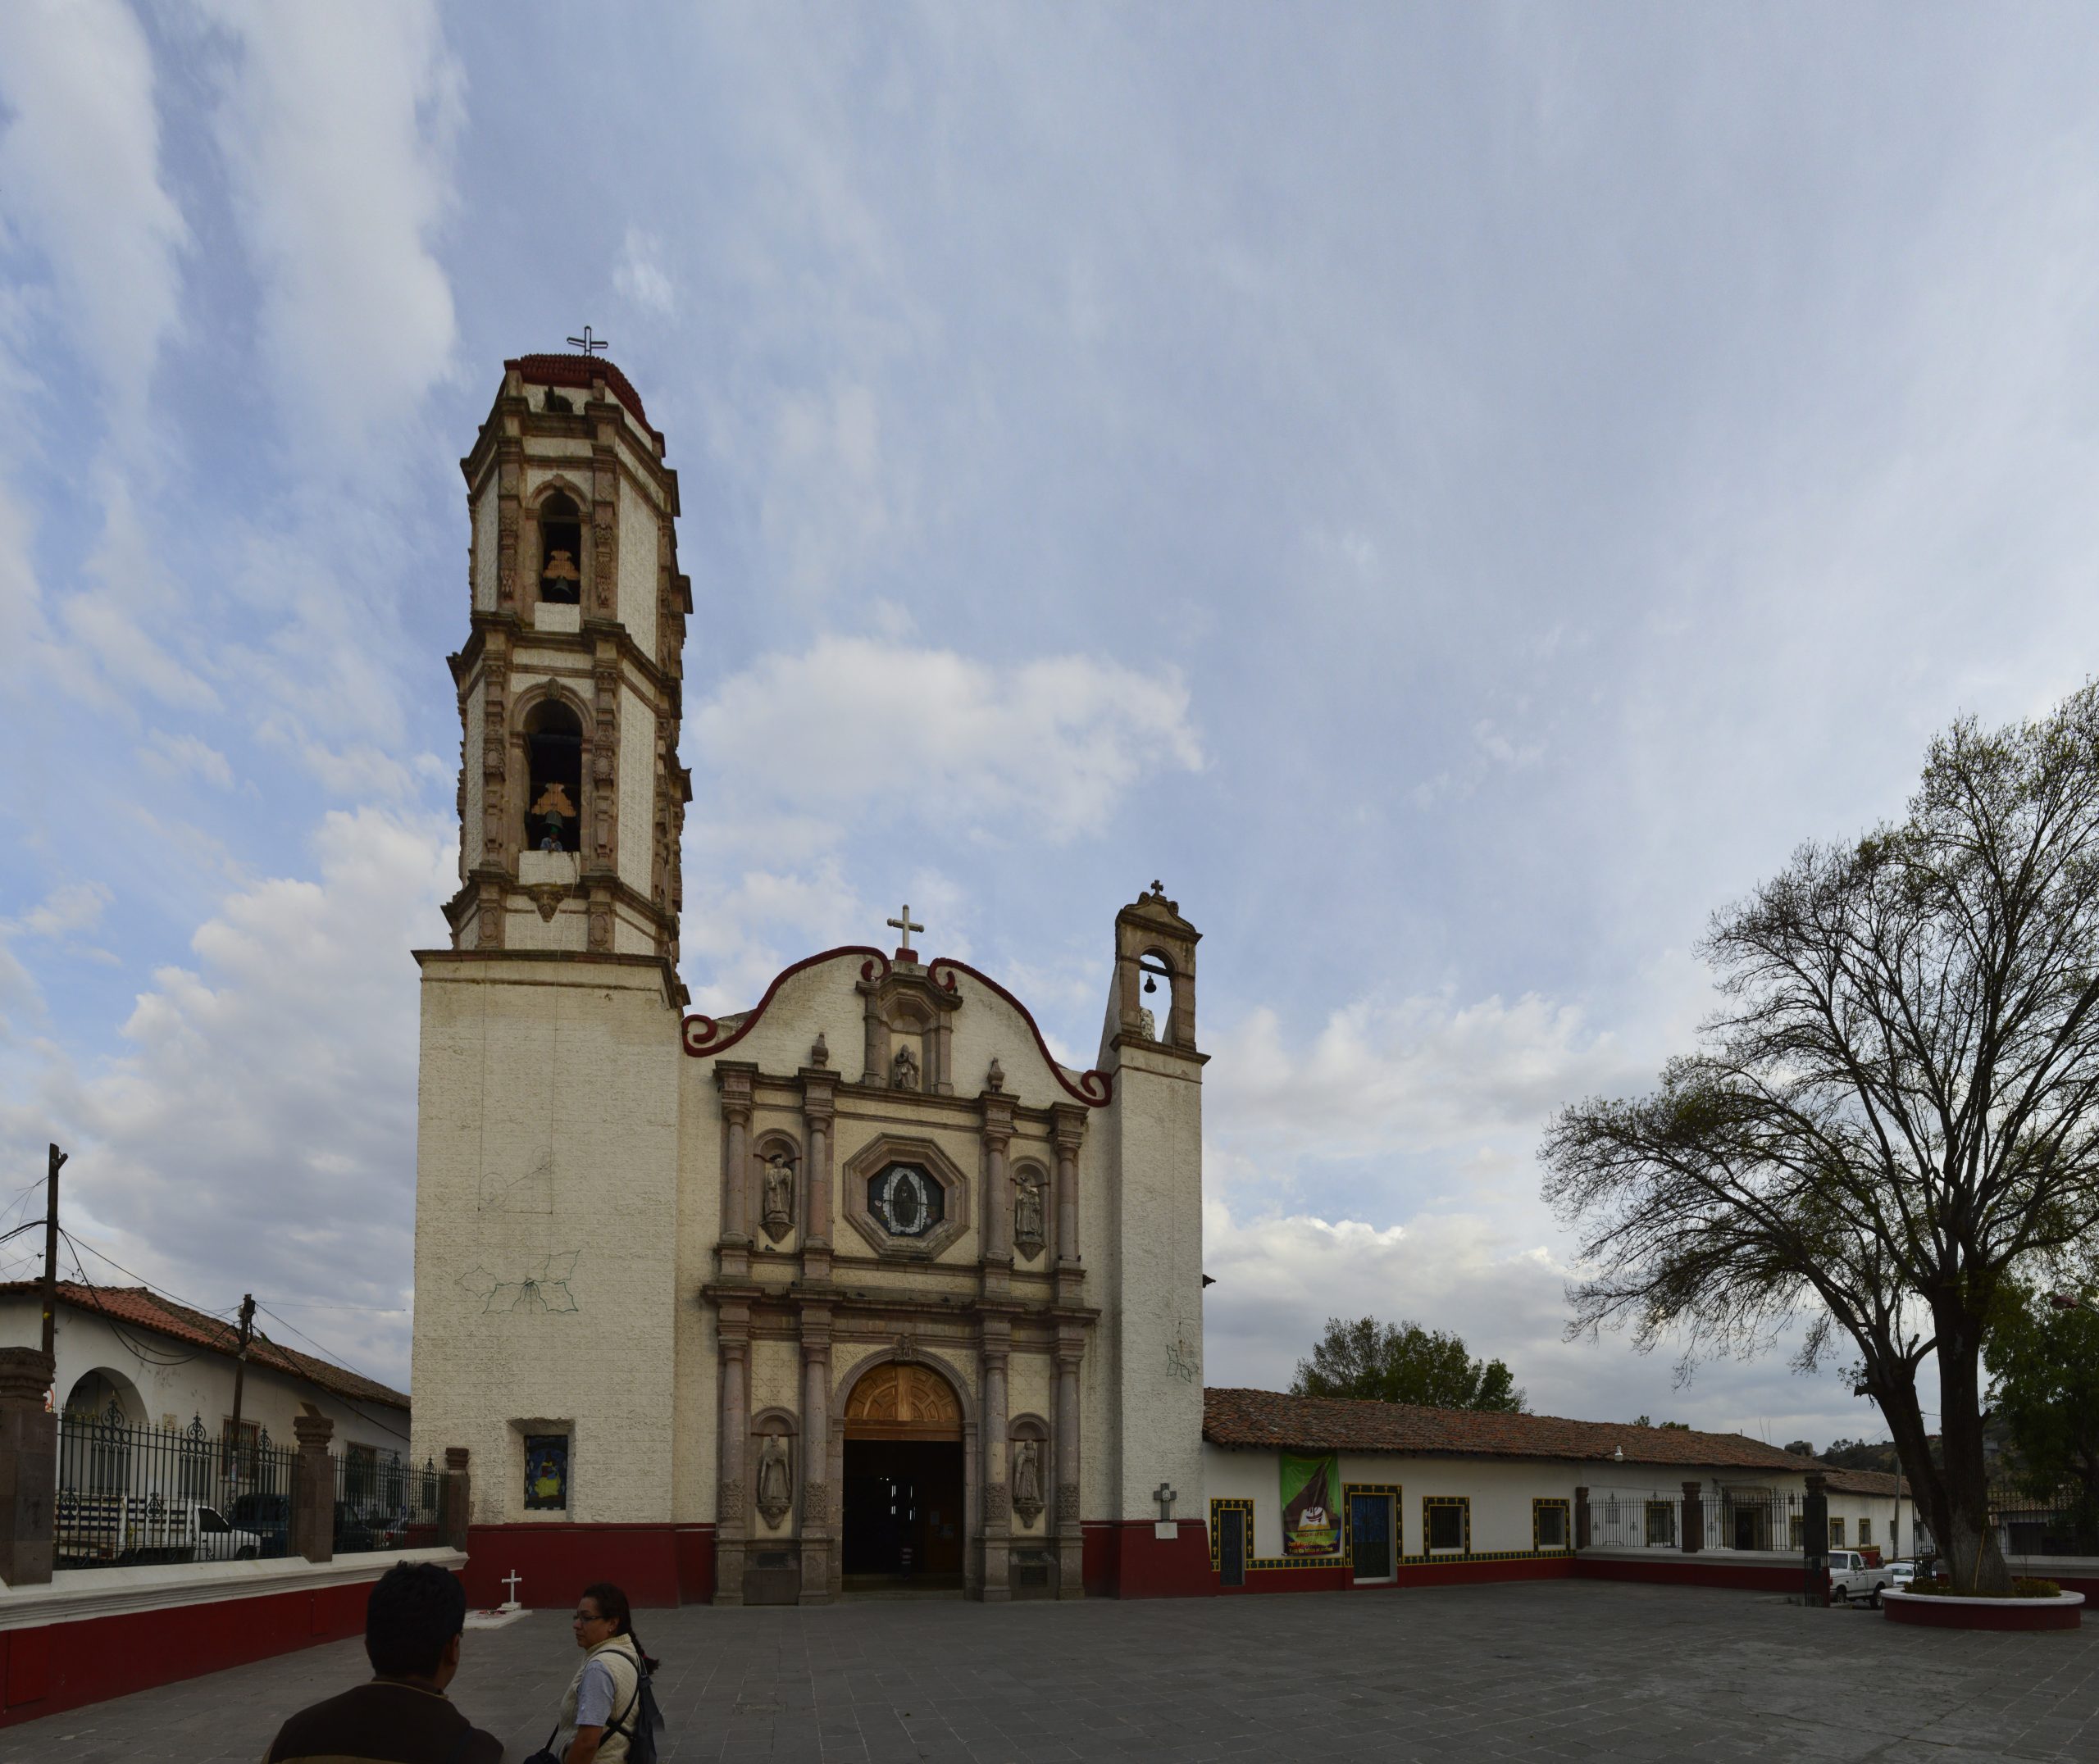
906 1200
546 1472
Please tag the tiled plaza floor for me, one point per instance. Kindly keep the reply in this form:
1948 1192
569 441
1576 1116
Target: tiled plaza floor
1550 1670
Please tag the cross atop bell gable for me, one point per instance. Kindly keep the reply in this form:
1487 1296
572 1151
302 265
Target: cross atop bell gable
903 925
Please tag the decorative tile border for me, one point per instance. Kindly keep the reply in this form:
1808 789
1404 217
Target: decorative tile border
1224 1504
1350 1490
1566 1526
1463 1504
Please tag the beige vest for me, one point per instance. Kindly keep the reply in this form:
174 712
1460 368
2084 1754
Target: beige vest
624 1666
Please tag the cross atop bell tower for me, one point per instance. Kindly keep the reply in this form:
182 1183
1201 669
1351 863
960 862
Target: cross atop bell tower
571 799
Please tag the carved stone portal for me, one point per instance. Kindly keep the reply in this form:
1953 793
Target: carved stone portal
775 1481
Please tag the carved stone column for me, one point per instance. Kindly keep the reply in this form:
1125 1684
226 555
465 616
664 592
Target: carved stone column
732 1500
1070 1133
28 1460
734 1078
997 1133
818 1529
997 1523
313 1486
819 1114
1071 1543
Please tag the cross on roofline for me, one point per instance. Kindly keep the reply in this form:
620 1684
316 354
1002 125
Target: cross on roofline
587 343
903 927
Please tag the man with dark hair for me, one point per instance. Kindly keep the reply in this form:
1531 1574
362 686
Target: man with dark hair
411 1628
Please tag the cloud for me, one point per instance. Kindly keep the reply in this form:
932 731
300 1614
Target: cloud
1424 1074
641 277
276 1076
81 181
336 128
862 722
185 757
71 906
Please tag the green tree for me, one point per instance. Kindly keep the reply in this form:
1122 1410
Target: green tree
1403 1362
2045 1361
1894 1113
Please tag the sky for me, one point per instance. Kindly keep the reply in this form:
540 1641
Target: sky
1457 491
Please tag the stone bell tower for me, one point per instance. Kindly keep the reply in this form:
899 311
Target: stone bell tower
572 798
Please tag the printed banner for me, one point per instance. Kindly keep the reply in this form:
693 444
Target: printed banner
1311 1506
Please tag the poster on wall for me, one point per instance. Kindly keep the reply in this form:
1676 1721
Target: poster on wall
546 1471
1311 1505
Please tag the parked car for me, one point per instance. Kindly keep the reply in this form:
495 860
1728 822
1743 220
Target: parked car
268 1516
365 1529
1850 1578
1905 1572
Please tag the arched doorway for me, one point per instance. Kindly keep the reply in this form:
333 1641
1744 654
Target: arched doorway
904 1481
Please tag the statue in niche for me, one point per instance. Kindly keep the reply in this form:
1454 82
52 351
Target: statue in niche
1027 1480
778 1210
1028 1214
903 1070
773 1479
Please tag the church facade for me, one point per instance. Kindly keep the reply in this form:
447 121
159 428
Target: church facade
857 1286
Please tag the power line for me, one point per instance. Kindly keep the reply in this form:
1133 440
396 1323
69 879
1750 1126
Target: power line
334 1358
300 1304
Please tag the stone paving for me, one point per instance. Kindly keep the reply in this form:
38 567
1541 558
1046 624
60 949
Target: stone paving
1558 1670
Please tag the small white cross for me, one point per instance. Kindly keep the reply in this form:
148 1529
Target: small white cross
1166 1495
903 927
511 1580
589 344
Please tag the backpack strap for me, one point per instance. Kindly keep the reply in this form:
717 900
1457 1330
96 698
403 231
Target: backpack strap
619 1726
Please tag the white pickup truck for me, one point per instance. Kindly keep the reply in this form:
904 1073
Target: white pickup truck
1850 1578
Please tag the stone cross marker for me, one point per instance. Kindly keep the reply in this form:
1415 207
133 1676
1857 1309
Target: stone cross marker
589 344
511 1580
903 927
1166 1496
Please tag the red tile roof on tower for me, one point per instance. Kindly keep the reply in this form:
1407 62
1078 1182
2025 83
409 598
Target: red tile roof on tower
581 372
1328 1424
136 1307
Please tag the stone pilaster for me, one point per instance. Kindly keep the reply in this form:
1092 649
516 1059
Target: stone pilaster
455 1498
732 1499
734 1078
1071 1577
819 1117
995 1581
313 1486
1070 1134
1694 1520
997 1133
29 1459
819 1526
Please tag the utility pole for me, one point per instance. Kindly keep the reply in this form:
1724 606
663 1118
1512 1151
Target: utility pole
51 1253
240 1373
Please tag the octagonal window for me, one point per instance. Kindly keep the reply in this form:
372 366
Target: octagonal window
905 1200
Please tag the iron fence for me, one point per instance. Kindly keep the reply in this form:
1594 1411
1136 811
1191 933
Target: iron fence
2062 1521
1729 1519
129 1493
380 1499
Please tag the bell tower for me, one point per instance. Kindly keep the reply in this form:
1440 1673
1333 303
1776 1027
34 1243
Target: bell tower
571 799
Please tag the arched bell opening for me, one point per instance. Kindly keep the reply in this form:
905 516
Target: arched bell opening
905 1482
560 550
553 793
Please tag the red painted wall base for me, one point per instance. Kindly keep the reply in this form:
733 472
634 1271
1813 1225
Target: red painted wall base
1124 1559
61 1666
1697 1570
655 1566
1950 1614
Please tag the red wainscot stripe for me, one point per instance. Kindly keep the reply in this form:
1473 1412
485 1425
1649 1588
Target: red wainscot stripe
1124 1558
655 1564
52 1667
1699 1569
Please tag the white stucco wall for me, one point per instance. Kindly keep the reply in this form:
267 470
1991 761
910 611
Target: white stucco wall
200 1387
547 1129
640 544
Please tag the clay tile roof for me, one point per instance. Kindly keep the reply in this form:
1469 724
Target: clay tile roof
138 1308
582 372
1325 1424
1872 1482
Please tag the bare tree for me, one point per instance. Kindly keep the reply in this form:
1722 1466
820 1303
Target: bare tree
1892 1115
